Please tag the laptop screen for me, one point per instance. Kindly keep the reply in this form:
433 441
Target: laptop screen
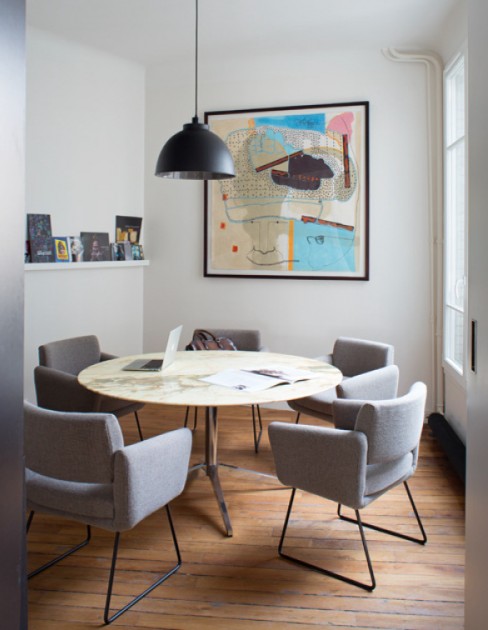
157 365
171 347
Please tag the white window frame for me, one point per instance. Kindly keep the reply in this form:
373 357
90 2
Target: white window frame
458 371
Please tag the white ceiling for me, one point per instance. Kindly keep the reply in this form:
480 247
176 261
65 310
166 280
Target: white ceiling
153 31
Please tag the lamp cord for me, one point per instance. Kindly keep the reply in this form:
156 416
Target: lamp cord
196 59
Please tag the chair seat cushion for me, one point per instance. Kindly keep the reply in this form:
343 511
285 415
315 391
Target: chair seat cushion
318 405
380 477
83 499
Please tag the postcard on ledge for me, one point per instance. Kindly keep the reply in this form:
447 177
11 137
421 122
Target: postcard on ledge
128 229
61 249
75 248
258 379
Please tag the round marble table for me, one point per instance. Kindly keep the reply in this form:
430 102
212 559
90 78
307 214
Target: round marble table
181 384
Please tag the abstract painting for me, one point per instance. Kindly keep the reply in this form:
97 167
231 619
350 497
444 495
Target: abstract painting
299 204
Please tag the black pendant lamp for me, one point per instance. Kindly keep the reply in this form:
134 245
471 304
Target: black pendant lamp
195 152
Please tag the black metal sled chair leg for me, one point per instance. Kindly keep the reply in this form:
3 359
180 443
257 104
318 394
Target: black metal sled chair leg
195 418
108 619
420 541
313 567
141 437
257 435
62 556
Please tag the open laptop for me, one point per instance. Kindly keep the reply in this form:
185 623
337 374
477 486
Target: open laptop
157 365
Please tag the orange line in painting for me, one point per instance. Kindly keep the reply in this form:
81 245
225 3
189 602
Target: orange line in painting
291 232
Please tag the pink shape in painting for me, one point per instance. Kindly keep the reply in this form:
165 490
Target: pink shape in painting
342 123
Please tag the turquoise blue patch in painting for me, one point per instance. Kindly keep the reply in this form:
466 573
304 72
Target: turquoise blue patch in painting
276 141
309 122
322 248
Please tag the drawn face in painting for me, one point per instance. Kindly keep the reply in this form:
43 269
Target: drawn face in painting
325 250
61 249
318 252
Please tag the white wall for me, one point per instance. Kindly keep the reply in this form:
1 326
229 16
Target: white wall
454 32
84 165
299 316
85 135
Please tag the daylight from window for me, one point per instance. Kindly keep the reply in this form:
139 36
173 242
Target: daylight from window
455 202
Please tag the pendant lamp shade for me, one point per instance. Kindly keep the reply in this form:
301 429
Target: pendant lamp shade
195 153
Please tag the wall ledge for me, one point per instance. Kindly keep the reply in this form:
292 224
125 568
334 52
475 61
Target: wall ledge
85 265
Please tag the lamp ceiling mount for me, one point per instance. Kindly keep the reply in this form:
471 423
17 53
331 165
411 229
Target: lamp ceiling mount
195 152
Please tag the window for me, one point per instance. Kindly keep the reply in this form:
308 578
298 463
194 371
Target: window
454 215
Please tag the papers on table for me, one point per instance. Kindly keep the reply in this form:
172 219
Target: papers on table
258 379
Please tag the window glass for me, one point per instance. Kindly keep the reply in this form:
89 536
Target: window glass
454 217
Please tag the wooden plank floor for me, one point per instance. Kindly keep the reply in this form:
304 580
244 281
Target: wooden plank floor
240 582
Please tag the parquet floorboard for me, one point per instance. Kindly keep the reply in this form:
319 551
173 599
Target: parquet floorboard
241 583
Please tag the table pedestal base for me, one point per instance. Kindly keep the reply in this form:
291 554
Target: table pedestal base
211 465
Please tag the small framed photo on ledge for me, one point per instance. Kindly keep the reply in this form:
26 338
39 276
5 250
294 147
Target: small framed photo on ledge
298 206
96 246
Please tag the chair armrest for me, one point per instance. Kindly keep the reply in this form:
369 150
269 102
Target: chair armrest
380 384
148 475
105 356
345 413
326 358
323 461
61 391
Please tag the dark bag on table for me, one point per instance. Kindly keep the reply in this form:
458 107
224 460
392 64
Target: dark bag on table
204 340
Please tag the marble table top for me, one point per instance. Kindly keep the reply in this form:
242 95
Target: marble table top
180 384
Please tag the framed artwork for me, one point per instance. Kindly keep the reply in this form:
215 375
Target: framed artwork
299 204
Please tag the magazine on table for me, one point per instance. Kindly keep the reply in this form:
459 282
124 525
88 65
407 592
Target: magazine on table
260 378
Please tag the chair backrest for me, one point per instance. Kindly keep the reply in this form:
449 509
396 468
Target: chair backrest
393 427
356 356
70 355
71 446
246 340
379 384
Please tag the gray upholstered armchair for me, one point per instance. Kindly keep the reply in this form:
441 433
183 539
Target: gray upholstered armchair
56 379
358 360
246 340
77 467
372 451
